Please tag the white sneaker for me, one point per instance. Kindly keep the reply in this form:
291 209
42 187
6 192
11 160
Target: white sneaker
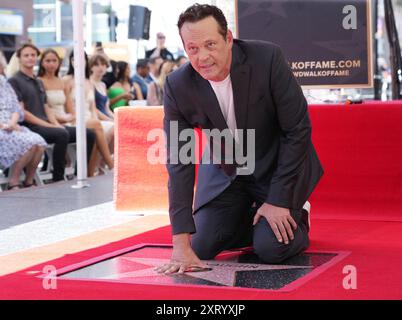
307 207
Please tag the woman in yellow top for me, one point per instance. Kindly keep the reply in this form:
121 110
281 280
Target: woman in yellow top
123 90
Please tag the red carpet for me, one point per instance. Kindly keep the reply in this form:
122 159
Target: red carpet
356 208
375 252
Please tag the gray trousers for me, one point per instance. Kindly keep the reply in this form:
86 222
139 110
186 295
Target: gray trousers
226 222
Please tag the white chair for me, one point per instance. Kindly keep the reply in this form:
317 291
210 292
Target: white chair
47 174
3 180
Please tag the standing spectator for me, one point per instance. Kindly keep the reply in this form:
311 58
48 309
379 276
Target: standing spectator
19 146
38 116
123 90
160 49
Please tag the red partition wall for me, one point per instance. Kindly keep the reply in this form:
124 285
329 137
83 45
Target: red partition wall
138 184
360 147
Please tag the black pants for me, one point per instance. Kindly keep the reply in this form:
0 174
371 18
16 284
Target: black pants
61 137
227 223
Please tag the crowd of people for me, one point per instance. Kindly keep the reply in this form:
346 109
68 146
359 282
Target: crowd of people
37 107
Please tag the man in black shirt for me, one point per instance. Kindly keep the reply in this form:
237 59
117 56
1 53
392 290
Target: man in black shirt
38 117
160 50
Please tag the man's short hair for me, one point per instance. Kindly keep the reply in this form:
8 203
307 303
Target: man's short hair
27 45
142 63
98 58
199 12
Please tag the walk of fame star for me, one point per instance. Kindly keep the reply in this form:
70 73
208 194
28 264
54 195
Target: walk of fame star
223 272
236 270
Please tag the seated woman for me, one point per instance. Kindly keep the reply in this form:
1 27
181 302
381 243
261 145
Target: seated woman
92 119
56 90
123 90
19 147
155 89
98 64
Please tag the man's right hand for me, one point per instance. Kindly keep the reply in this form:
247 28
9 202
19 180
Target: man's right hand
183 257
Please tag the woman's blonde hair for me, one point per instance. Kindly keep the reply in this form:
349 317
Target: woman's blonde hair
165 68
13 66
3 63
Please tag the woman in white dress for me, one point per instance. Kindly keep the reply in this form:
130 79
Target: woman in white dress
56 91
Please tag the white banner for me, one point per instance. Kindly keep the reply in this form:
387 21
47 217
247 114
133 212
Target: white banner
11 22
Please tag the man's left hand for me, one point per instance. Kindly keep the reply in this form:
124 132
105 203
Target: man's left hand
279 219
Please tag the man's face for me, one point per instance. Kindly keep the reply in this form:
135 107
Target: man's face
160 41
28 58
143 71
209 53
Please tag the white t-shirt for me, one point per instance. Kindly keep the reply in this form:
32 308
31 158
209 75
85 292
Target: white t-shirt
224 93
